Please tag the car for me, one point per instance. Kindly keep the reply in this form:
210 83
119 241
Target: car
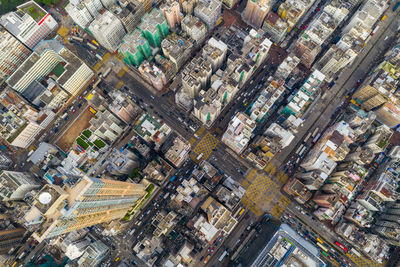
151 107
80 97
73 110
152 97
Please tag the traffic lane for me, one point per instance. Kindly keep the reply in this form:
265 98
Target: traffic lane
344 85
312 225
160 104
231 241
276 55
66 123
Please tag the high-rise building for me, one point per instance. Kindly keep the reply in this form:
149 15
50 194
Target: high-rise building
147 5
209 12
108 3
255 12
30 24
177 48
50 58
12 54
80 14
129 12
89 201
380 140
93 6
239 132
15 185
135 48
194 28
108 30
154 27
172 13
230 3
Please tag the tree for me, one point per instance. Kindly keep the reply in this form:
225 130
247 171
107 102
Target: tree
9 5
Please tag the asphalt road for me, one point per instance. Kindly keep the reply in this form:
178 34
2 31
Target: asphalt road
320 114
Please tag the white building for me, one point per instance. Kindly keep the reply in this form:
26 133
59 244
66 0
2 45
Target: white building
239 132
108 30
12 54
208 11
72 73
30 24
80 14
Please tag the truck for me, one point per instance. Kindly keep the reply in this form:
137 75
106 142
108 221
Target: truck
375 30
77 38
94 42
223 255
91 46
106 72
396 6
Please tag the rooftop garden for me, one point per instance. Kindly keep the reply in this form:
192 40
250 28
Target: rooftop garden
140 202
34 11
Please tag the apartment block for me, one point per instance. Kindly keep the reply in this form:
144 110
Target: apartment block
135 48
12 54
79 14
239 132
178 49
209 12
153 74
129 12
276 27
255 12
194 28
154 27
108 30
106 126
172 13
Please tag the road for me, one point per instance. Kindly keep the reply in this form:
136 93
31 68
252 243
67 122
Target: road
322 111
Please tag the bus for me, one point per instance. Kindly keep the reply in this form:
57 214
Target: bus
316 138
298 149
77 38
341 246
302 151
223 255
307 137
322 247
315 132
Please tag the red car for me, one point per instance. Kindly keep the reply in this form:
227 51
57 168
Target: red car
73 111
80 97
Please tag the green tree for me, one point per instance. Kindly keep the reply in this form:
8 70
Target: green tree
9 5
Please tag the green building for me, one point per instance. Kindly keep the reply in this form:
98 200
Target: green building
135 48
154 27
